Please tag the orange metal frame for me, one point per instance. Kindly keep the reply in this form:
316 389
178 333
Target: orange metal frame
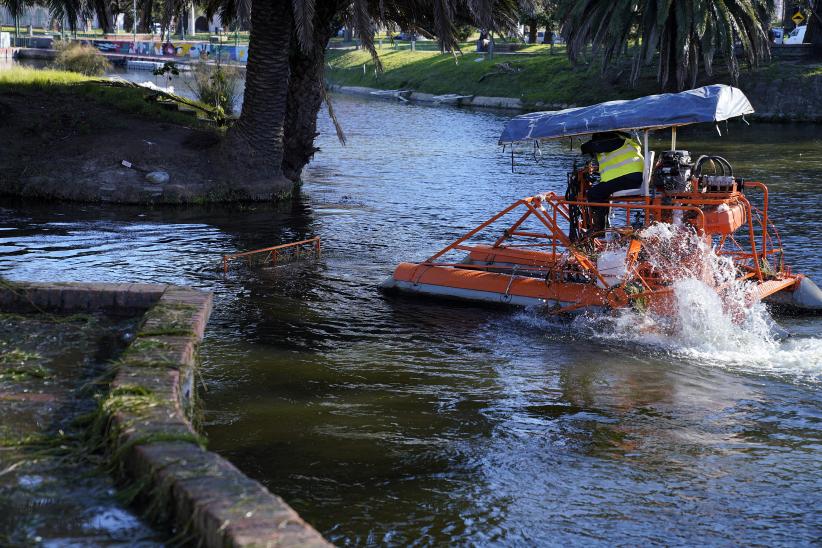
561 258
274 251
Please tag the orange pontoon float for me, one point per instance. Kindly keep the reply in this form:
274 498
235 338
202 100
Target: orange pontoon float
546 253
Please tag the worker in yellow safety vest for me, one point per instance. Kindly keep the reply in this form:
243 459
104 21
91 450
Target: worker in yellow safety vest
620 168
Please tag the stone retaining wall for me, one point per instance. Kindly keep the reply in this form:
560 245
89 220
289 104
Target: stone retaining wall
145 418
789 98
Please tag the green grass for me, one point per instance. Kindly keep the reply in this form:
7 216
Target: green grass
541 78
74 86
39 78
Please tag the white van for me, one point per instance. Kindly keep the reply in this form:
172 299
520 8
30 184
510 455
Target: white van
797 35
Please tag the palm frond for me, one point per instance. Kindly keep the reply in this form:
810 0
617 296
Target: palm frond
303 11
680 33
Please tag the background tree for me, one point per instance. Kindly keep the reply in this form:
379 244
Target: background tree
681 32
539 14
284 87
274 135
16 9
71 11
813 35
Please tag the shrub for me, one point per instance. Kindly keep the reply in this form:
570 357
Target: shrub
80 58
464 32
216 85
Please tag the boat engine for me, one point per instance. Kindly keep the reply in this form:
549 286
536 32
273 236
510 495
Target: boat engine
673 171
722 180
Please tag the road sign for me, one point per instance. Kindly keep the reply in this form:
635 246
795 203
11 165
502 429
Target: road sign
797 18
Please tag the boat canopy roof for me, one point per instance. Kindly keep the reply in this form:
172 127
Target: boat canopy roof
706 104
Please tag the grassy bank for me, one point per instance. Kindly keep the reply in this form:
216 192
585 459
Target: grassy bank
535 76
71 87
72 137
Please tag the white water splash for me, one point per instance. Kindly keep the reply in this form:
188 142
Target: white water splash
718 319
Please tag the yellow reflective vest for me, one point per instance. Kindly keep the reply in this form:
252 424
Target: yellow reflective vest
622 161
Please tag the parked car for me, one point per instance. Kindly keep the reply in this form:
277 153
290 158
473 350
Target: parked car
796 36
540 37
776 35
409 36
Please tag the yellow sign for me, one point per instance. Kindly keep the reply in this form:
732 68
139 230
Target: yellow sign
797 17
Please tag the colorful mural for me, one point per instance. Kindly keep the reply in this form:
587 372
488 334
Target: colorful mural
184 50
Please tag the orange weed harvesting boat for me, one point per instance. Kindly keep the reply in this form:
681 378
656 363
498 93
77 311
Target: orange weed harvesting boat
543 250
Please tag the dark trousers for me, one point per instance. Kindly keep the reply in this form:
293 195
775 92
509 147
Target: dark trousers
602 192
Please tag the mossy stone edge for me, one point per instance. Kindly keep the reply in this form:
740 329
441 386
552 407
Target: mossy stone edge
144 420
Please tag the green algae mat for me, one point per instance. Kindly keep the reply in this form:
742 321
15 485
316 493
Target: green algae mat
54 486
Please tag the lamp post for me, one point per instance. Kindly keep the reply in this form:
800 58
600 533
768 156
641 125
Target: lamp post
219 44
134 21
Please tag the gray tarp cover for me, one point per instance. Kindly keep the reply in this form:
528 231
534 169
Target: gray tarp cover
706 104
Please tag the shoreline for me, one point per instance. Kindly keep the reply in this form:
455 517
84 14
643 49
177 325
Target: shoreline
780 92
478 101
784 90
517 105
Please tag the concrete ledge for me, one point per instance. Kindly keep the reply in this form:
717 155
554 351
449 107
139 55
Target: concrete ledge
117 299
144 418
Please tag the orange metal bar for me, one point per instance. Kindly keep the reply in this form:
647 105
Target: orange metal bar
482 226
529 204
752 238
508 233
554 240
560 236
523 268
530 235
761 186
273 250
695 209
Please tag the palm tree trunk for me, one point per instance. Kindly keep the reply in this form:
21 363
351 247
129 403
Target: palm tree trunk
254 145
305 94
104 19
813 34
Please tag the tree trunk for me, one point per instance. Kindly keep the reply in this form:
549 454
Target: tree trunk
305 94
253 148
532 31
813 34
145 19
103 11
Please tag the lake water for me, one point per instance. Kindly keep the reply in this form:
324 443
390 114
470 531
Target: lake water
403 421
